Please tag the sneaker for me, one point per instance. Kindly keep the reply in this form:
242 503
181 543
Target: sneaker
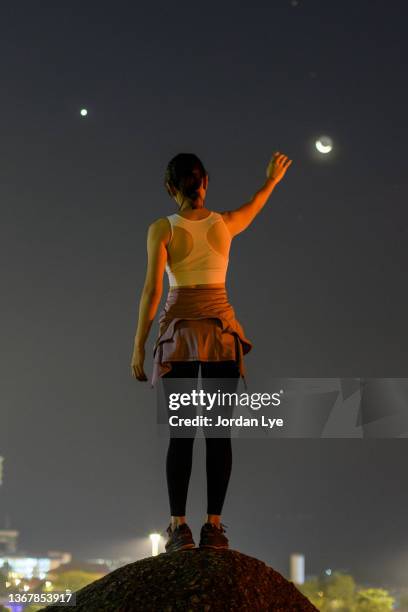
180 538
212 536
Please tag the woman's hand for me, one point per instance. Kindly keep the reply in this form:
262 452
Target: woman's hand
137 364
277 166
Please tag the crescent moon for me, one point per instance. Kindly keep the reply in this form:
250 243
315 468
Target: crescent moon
322 148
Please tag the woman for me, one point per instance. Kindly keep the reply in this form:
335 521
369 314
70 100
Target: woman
198 328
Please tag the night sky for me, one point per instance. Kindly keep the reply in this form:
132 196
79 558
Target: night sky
318 281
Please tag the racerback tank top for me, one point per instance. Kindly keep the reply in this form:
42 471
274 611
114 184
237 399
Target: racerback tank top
204 245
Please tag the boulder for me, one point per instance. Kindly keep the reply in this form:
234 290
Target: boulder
202 580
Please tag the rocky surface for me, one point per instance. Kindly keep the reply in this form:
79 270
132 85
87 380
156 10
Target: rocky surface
192 580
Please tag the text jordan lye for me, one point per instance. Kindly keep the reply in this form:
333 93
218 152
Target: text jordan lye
205 421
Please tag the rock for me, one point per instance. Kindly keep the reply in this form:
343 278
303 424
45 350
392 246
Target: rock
202 580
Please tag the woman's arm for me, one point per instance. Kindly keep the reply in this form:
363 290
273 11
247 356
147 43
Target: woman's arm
238 220
158 236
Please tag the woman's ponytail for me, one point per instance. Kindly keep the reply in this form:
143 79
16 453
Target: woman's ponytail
185 172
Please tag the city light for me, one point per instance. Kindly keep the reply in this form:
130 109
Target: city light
155 540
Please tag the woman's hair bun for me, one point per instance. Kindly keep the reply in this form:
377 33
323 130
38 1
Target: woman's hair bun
186 172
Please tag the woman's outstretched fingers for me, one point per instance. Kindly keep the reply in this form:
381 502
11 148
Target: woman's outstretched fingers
284 160
278 165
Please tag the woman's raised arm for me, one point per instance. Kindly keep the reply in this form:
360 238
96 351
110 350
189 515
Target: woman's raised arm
238 220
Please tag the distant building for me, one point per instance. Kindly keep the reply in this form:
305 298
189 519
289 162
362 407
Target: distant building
33 566
8 540
24 565
19 564
297 568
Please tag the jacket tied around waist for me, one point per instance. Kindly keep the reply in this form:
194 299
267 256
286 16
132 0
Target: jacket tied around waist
198 324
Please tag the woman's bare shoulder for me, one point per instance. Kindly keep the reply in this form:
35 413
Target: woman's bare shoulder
160 228
160 222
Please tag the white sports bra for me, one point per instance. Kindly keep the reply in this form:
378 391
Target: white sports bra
203 245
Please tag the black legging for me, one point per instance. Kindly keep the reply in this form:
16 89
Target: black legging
218 450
